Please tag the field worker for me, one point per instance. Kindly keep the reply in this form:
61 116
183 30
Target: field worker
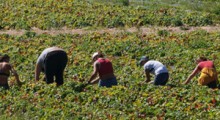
5 69
52 63
208 75
156 68
103 67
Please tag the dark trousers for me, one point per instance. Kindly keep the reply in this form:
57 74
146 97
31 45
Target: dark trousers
161 79
55 63
108 83
212 84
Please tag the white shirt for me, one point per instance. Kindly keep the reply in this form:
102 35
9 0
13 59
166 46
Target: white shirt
155 67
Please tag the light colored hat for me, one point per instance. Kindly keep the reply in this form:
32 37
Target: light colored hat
95 54
143 58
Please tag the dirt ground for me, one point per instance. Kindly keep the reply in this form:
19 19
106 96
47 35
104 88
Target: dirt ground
143 30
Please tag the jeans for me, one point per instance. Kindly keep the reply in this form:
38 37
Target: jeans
161 79
108 83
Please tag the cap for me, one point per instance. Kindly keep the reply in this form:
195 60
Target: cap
143 58
95 54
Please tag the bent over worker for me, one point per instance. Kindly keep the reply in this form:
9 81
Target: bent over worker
102 67
156 68
208 76
52 62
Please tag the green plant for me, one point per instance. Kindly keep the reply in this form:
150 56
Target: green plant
163 33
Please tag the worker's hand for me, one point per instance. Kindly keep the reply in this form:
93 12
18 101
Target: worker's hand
147 81
89 82
151 82
185 82
14 72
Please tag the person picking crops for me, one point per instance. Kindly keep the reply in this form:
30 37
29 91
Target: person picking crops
102 67
5 69
156 68
208 76
52 62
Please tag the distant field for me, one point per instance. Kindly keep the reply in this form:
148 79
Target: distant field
212 6
25 14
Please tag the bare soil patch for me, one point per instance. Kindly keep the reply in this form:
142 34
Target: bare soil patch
143 30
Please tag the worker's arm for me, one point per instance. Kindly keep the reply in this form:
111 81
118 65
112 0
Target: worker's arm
147 74
195 71
37 72
95 72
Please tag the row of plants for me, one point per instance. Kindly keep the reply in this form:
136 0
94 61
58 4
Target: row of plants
130 99
25 14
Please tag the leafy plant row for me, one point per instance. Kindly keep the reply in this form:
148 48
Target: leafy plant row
25 14
128 100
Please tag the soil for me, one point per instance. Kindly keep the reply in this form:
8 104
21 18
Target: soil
143 30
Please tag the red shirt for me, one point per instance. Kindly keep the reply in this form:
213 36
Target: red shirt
105 66
205 64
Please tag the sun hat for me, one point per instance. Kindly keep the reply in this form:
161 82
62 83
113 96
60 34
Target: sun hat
143 58
95 54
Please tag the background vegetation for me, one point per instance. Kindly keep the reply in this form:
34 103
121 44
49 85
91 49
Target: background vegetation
25 14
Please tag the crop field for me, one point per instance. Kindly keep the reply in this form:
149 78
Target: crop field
24 14
131 99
